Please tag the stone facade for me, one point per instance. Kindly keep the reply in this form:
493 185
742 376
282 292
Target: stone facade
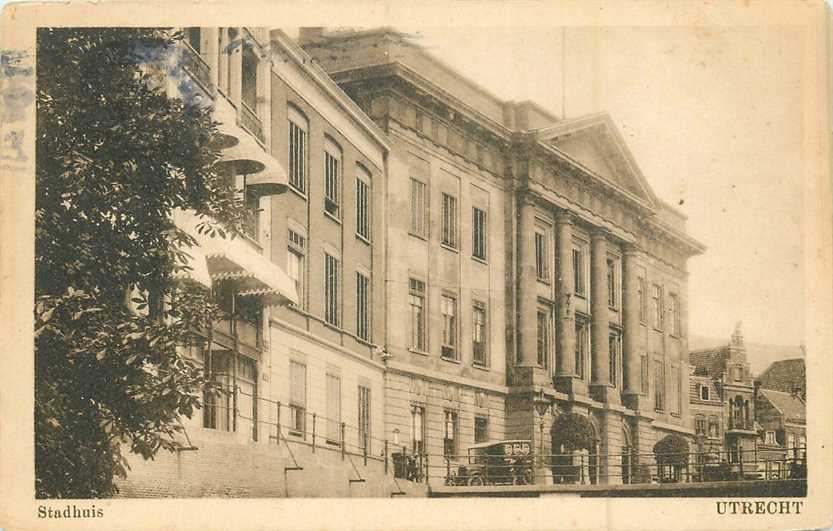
550 187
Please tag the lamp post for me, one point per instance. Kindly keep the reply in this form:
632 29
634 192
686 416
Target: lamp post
542 405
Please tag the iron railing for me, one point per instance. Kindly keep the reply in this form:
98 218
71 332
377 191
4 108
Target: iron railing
196 66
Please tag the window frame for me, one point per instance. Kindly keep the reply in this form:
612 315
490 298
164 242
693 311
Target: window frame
579 257
542 269
296 247
298 156
707 395
485 429
451 450
544 336
365 418
449 236
418 445
334 414
658 305
298 407
417 290
364 214
642 298
363 305
450 329
674 314
333 177
659 385
332 286
418 222
480 307
615 357
480 232
582 346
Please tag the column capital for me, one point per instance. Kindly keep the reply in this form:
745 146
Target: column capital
564 217
599 234
527 199
630 249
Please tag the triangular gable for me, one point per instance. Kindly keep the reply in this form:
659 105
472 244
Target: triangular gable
594 142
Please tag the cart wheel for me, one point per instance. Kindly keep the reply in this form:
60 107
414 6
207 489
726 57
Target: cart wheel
527 476
450 480
476 481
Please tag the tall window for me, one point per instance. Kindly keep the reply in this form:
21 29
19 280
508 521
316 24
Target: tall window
714 427
478 233
674 313
541 256
251 227
333 408
417 303
612 280
419 207
704 392
450 221
363 205
248 92
448 309
659 385
450 437
296 249
332 178
615 353
582 347
770 437
642 300
297 151
364 416
578 270
331 302
700 425
479 338
544 337
643 373
362 306
193 36
481 429
657 307
418 429
297 398
676 390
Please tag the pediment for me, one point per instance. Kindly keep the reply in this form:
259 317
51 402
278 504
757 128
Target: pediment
594 142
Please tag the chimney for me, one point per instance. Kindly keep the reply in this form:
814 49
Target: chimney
310 34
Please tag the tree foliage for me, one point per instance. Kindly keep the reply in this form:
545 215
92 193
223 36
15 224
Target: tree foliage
573 432
671 450
115 156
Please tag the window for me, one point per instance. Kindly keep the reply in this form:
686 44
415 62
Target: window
364 416
297 398
216 406
544 339
251 225
643 372
641 299
248 92
297 151
478 233
363 207
659 385
802 446
362 306
676 391
769 438
450 437
481 429
193 36
419 207
417 303
418 429
615 352
656 301
674 314
331 303
582 346
479 338
714 428
612 298
332 177
541 256
578 270
295 262
448 309
450 221
704 392
700 425
333 409
790 444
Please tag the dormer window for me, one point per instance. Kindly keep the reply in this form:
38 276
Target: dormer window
704 392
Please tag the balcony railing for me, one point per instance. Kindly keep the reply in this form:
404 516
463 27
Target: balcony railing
197 68
250 121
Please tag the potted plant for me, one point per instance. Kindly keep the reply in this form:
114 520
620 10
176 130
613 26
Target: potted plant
671 454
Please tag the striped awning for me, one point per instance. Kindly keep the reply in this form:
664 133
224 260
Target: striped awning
237 259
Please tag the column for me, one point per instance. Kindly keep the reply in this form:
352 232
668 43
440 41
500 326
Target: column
527 307
565 290
212 52
600 371
630 309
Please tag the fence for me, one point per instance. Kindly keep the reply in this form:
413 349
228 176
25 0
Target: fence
496 468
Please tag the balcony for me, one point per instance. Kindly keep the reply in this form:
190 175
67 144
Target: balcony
741 425
251 123
197 68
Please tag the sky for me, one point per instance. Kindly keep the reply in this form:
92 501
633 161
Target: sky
713 118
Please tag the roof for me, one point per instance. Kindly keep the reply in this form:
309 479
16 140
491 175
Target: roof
785 375
712 361
789 405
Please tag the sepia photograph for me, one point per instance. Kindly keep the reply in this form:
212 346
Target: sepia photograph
406 259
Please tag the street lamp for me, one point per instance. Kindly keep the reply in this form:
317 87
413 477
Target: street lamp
542 405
